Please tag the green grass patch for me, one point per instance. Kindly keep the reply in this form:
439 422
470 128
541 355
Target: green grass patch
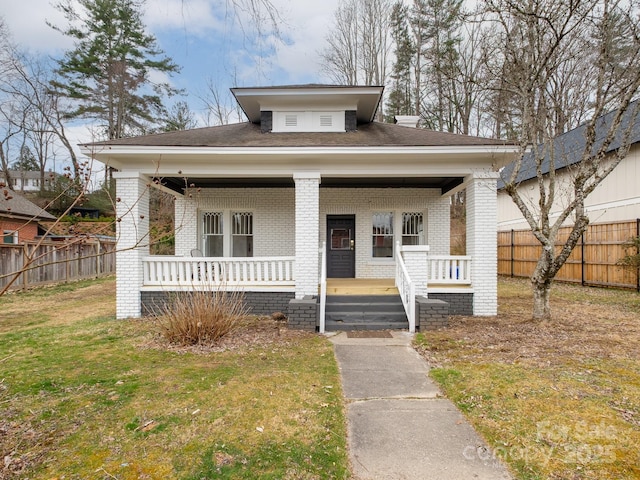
91 397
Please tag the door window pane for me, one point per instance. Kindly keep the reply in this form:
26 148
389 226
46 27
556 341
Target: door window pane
340 239
382 235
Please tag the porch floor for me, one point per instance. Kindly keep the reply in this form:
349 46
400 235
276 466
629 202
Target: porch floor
361 286
379 286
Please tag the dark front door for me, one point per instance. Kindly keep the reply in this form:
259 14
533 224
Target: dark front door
341 246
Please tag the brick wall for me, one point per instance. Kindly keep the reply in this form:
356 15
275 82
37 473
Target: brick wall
259 303
273 217
303 313
431 314
364 201
459 303
132 210
481 198
307 271
26 230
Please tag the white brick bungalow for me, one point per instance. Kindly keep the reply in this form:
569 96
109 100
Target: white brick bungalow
311 187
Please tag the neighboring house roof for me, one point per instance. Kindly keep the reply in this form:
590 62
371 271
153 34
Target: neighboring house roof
249 135
570 145
15 205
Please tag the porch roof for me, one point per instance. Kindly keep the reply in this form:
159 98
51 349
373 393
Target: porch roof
247 135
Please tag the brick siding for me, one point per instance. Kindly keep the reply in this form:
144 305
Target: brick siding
258 303
459 303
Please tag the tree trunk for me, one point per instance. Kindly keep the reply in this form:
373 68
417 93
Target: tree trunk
541 281
541 296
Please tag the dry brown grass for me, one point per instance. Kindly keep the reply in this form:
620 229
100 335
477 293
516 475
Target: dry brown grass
87 397
558 399
57 305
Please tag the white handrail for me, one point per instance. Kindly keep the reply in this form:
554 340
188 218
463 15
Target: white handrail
323 285
168 271
406 288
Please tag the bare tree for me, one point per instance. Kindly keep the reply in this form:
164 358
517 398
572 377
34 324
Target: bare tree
358 45
219 107
550 46
340 57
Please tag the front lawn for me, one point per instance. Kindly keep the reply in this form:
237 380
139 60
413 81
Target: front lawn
557 399
85 396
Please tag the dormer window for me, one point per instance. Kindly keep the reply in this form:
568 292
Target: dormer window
308 121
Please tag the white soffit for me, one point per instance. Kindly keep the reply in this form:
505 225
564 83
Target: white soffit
364 99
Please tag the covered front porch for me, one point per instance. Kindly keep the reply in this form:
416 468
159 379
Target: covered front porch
269 283
296 242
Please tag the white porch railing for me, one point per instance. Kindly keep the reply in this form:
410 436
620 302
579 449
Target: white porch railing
407 290
450 269
323 284
205 272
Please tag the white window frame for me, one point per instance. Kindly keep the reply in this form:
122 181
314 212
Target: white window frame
227 228
420 235
10 233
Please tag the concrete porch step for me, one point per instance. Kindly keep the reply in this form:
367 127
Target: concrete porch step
332 326
364 312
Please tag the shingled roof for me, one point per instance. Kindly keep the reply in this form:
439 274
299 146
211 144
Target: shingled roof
15 205
570 145
249 135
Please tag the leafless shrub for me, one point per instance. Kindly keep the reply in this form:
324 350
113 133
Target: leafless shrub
201 317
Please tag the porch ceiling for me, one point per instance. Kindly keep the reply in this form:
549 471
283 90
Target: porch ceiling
445 184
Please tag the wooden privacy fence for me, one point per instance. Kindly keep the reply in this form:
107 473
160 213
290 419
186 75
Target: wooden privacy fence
592 262
56 262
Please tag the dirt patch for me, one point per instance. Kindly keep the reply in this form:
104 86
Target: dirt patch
596 325
255 332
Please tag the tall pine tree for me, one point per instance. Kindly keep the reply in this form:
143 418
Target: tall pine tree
400 100
106 74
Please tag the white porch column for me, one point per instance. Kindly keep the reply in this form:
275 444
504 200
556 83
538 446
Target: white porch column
132 212
482 243
417 261
307 233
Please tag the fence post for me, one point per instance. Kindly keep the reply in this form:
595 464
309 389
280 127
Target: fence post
638 252
98 244
25 271
582 258
513 248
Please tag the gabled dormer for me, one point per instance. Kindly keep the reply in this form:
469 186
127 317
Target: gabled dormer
309 108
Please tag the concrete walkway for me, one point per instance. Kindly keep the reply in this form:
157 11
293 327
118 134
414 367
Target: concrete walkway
399 425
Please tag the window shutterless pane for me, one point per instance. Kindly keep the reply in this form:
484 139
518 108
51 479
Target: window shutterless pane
382 239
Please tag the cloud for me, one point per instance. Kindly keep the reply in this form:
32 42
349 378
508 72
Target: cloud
192 17
27 22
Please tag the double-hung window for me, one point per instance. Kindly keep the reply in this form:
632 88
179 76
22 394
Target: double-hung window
227 234
412 228
382 235
410 224
242 234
